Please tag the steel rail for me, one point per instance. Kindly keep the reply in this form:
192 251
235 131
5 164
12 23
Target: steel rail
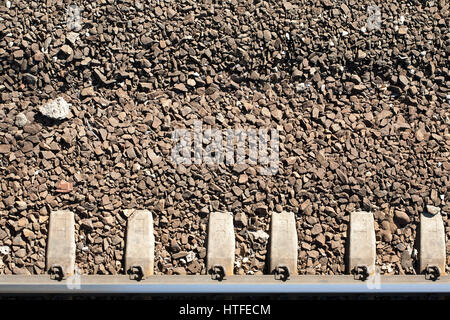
254 284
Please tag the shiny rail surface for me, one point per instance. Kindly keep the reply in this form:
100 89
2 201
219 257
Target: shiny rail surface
199 284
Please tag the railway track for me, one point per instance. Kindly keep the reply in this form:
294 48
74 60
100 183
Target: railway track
362 277
107 105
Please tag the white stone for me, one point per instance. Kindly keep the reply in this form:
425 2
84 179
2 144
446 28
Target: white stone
57 109
21 120
4 250
259 235
190 256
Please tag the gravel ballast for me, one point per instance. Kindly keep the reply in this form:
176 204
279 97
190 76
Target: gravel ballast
363 115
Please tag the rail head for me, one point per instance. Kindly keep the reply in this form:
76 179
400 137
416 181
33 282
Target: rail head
255 284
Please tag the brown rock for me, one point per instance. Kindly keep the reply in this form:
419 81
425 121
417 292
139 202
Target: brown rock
401 218
179 270
5 148
66 49
402 30
181 87
64 187
240 219
87 92
316 229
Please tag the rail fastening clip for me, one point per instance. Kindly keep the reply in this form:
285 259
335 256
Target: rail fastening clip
217 272
432 272
136 273
282 273
361 272
57 272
